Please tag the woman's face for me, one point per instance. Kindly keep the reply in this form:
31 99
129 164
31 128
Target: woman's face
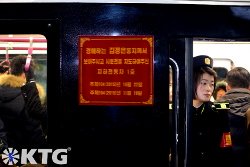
205 88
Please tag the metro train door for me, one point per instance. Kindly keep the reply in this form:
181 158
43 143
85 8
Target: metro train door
128 135
125 135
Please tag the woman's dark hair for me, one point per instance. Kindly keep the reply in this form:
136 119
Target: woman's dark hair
197 74
17 65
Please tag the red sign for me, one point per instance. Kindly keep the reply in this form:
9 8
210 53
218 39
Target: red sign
116 70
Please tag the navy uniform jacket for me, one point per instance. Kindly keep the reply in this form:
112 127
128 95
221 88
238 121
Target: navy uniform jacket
210 136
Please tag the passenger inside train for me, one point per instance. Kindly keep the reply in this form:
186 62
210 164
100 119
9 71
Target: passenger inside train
238 96
23 116
209 126
229 67
220 90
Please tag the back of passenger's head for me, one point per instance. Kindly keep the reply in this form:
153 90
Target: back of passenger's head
238 77
17 65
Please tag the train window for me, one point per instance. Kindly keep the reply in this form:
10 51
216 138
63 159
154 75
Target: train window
226 53
12 45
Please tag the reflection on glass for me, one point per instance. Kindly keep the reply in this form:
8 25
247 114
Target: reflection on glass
170 112
170 85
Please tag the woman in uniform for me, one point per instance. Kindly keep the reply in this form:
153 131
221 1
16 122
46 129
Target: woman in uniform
210 134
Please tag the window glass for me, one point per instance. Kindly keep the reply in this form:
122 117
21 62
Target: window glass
12 45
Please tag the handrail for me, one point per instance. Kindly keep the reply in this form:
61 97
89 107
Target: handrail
175 118
23 48
22 44
13 39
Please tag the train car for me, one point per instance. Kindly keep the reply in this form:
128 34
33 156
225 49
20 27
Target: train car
105 67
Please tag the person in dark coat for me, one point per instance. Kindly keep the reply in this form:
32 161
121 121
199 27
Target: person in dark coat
33 103
18 127
210 133
238 96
